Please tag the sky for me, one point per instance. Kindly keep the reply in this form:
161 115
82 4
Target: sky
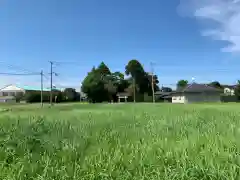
184 39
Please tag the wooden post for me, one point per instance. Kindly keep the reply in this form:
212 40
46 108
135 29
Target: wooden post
41 88
134 90
152 83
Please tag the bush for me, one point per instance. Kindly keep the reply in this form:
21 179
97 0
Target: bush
35 96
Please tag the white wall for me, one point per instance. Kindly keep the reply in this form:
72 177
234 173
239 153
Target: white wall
229 92
202 97
196 97
178 98
10 90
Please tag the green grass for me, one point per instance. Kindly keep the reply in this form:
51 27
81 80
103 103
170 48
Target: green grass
135 142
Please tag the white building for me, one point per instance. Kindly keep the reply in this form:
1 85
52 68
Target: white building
9 92
229 90
197 93
13 90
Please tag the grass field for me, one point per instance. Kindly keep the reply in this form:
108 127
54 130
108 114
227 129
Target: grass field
142 141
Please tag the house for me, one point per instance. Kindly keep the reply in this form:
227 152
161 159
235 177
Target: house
162 96
13 90
123 96
196 93
229 90
9 92
7 99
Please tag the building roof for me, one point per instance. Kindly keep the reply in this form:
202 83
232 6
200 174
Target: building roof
123 94
161 93
194 87
26 88
229 86
31 88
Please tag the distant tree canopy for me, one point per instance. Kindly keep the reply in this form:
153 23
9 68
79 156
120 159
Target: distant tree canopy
101 84
70 94
166 89
215 84
182 83
35 96
237 90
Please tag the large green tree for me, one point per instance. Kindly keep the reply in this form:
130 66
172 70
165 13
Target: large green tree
94 85
135 69
237 90
70 94
103 70
102 85
139 76
215 84
155 82
166 89
182 83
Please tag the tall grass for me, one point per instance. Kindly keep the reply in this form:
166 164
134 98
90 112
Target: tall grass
120 142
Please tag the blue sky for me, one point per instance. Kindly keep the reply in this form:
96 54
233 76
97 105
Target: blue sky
184 38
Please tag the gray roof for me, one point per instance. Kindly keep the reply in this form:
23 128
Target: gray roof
162 93
229 86
194 87
122 94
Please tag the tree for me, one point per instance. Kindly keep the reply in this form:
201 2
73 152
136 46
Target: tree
70 94
103 69
135 69
182 83
139 76
110 84
155 83
130 89
94 84
215 84
237 90
57 96
166 89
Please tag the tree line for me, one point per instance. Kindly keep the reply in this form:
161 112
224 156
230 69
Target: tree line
101 84
68 95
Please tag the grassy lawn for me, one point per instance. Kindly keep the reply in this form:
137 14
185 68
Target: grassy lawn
135 142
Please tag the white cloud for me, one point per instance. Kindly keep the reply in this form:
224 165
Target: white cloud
225 14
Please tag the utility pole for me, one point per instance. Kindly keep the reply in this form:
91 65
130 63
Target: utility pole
41 88
134 90
80 93
152 82
51 73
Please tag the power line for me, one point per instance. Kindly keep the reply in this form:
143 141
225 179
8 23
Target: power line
20 74
10 66
51 79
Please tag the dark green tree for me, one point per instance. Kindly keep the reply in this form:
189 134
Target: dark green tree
94 84
166 89
70 94
103 69
139 76
155 83
182 83
237 90
135 69
122 83
215 84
